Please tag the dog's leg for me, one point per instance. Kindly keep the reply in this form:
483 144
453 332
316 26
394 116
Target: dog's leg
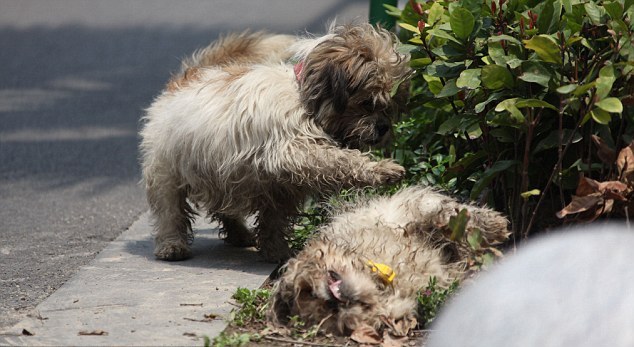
172 221
439 208
236 232
323 166
273 227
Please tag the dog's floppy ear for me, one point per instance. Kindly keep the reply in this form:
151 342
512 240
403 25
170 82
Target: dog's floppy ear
338 87
323 81
280 308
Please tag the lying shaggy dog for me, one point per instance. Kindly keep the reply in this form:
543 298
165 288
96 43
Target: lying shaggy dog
256 122
363 270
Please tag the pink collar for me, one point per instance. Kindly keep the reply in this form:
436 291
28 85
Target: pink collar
297 68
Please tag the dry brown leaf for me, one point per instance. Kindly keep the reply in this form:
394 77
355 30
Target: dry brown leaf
580 204
93 333
402 327
365 334
605 153
614 190
391 341
609 189
587 186
625 163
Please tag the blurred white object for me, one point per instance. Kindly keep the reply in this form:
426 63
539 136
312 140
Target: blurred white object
571 288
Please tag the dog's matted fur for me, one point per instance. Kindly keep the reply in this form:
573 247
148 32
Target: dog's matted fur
256 122
331 282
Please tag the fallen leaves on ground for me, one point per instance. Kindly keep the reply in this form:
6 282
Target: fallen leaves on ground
593 198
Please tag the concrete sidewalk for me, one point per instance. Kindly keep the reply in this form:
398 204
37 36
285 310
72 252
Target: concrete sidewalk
125 297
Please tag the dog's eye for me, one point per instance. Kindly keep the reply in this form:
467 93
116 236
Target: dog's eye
368 104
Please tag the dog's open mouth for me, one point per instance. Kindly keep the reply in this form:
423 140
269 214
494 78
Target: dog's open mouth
334 283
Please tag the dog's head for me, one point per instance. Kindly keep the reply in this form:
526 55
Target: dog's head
353 84
337 291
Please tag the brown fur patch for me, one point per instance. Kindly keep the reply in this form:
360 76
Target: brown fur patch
234 72
184 79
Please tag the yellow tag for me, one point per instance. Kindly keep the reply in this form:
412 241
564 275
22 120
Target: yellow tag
385 272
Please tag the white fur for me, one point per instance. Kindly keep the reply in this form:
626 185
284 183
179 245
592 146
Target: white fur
572 288
231 134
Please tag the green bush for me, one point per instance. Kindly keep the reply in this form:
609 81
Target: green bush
515 100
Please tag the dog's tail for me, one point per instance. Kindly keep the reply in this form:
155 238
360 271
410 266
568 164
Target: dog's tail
242 48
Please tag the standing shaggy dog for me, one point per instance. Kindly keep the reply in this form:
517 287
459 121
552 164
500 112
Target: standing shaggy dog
363 270
256 122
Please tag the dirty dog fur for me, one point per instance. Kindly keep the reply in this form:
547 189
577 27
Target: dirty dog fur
256 122
330 282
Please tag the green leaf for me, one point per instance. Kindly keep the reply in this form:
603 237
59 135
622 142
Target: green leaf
569 88
435 13
449 89
489 175
393 11
480 107
516 117
469 79
534 103
530 193
545 48
474 6
614 9
409 27
513 118
545 17
594 12
604 81
433 83
443 69
462 22
450 125
474 239
600 116
499 38
612 105
496 77
419 62
458 224
503 134
468 161
443 34
580 90
532 77
552 139
504 105
567 4
536 72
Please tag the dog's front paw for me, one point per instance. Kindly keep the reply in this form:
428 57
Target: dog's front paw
387 172
275 251
172 250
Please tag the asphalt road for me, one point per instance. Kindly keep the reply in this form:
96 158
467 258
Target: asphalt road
75 77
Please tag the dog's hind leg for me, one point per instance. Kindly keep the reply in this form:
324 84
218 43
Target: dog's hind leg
439 208
173 218
236 232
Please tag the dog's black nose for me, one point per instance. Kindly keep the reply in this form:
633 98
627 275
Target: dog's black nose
382 128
